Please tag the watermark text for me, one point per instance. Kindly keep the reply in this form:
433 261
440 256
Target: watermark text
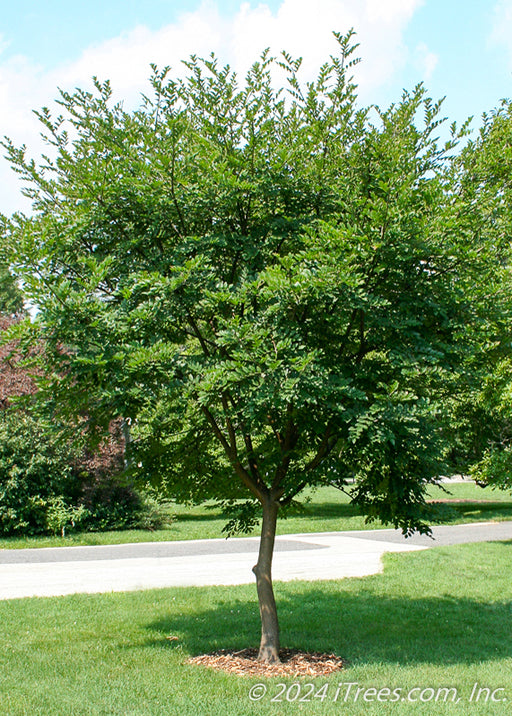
354 692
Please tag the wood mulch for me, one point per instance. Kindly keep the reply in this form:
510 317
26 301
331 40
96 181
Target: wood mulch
293 663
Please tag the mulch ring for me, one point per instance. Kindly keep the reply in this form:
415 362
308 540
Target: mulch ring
293 663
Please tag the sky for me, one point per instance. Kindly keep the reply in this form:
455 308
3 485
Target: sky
460 49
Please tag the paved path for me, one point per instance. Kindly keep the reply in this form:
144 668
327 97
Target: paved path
322 555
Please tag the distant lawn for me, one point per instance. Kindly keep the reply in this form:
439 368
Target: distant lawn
433 619
325 510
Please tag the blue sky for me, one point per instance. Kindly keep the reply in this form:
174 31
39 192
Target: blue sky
458 48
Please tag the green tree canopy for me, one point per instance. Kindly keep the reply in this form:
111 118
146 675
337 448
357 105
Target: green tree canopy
11 298
481 420
270 285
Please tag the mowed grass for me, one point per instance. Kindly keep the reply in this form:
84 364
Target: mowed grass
323 510
434 619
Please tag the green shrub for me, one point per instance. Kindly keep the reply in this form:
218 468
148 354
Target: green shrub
60 516
34 468
111 501
495 468
48 485
153 514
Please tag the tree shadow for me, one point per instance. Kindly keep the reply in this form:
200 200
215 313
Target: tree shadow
446 512
202 517
449 512
443 511
362 627
325 510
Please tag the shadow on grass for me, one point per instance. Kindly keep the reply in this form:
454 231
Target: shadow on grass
203 517
449 512
362 627
446 512
324 510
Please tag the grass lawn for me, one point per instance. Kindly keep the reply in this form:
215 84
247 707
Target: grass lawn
324 510
434 619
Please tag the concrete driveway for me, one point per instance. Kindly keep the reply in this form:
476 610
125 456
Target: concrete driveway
323 555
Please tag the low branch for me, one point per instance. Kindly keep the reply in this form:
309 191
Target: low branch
293 494
256 487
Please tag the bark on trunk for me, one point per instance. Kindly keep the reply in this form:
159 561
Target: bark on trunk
269 645
125 427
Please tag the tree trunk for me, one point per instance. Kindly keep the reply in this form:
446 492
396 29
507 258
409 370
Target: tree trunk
125 428
269 645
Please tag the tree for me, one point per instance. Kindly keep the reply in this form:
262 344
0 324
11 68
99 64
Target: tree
47 479
268 285
481 419
11 298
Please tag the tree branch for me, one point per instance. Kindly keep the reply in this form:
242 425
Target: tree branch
251 457
257 489
325 447
198 334
290 440
293 494
229 425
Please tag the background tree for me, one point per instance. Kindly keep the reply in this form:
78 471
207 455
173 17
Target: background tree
268 284
11 298
480 426
49 481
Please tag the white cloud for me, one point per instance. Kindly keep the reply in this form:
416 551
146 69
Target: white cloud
298 26
20 91
425 61
501 33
